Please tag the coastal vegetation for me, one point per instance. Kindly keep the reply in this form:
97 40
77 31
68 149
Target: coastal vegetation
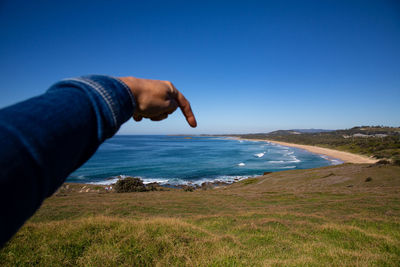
377 141
132 184
344 215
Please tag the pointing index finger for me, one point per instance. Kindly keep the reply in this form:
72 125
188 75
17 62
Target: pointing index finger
184 105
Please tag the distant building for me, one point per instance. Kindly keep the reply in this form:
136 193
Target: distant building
361 135
366 135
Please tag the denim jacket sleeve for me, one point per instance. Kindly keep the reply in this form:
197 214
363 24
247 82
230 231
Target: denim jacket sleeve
45 138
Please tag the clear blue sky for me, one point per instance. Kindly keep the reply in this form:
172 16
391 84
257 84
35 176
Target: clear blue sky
248 66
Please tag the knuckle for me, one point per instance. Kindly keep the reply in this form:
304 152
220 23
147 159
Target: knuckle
171 86
168 83
143 106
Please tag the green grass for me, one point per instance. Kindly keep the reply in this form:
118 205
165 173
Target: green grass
249 181
291 218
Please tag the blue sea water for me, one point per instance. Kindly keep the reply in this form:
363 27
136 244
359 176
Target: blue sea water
195 159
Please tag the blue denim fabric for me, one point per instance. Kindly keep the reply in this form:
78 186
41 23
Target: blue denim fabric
45 138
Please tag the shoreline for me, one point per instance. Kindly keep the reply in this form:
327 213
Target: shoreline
331 154
346 157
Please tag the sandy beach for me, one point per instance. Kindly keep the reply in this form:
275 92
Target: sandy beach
341 155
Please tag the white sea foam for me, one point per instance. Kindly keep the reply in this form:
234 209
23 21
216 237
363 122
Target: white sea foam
332 160
241 164
336 162
150 180
111 180
293 159
115 179
282 151
233 178
106 182
288 167
259 155
223 178
178 181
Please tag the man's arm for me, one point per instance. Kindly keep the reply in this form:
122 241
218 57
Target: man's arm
45 138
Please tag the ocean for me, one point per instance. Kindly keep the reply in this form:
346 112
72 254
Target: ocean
190 159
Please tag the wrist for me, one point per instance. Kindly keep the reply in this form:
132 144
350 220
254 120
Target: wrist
132 84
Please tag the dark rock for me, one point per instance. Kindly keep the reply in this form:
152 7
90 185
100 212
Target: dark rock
188 188
219 183
383 162
368 179
210 185
266 173
206 185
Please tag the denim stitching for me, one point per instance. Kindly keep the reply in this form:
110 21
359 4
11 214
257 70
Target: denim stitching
106 97
128 89
98 88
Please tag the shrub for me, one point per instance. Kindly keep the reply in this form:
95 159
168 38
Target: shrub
130 184
396 161
207 185
368 179
152 186
188 188
383 162
249 181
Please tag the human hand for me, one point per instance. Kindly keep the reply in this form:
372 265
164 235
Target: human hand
157 99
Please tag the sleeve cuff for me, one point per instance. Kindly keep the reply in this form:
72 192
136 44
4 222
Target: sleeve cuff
112 101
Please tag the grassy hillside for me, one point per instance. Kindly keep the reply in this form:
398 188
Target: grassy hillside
380 142
344 215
